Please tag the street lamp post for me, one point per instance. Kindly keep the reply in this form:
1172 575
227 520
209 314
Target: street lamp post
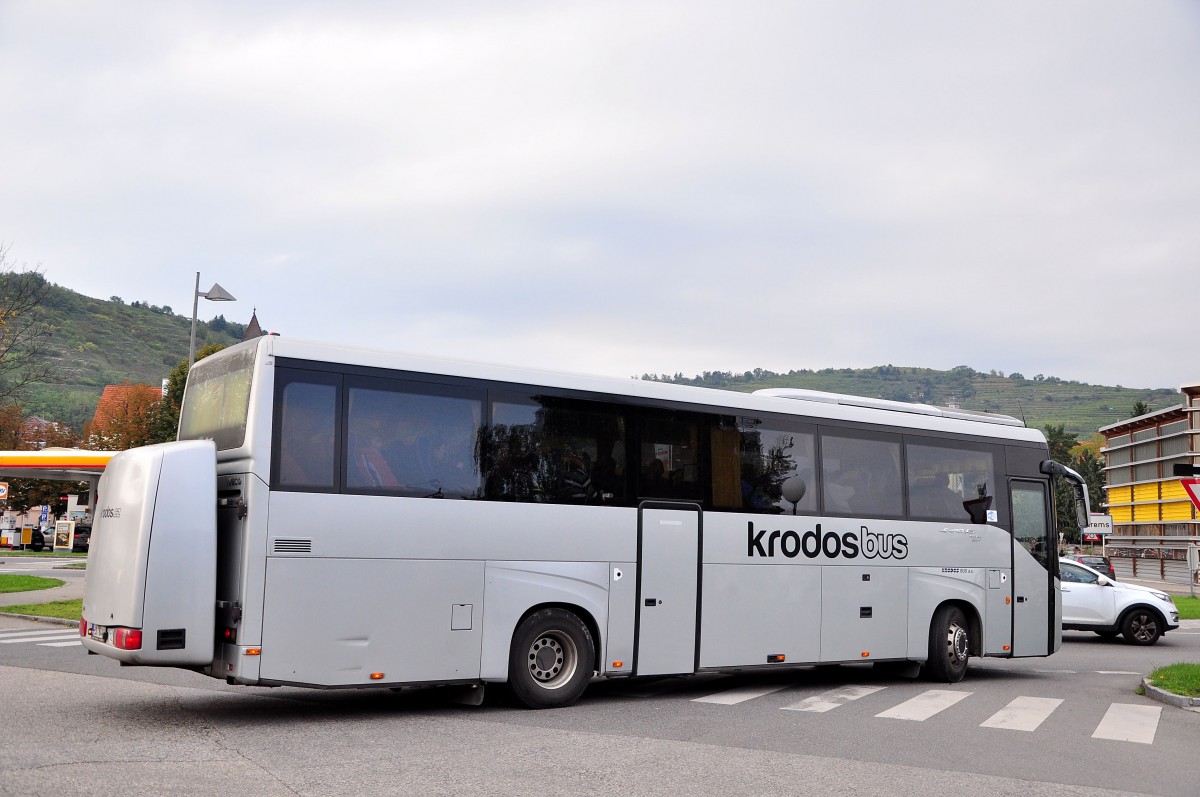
215 294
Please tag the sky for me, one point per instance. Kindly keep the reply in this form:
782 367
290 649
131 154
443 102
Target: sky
627 187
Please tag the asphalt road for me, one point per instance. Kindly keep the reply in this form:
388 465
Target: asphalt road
78 724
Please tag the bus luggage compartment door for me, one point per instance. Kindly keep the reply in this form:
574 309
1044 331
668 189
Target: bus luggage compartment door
668 588
152 564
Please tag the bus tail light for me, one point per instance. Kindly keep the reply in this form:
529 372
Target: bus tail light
82 627
376 676
776 658
127 638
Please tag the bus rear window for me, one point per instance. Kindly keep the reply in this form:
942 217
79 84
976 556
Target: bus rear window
217 399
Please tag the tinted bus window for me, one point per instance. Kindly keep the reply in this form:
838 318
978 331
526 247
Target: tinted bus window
751 460
950 483
412 439
861 475
1030 527
669 462
554 450
306 428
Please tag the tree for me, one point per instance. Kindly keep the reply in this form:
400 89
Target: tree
1061 443
24 358
164 426
1139 408
1091 468
18 433
124 418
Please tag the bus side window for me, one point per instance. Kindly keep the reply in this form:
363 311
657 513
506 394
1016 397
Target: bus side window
861 475
752 458
308 416
549 449
412 439
948 482
670 456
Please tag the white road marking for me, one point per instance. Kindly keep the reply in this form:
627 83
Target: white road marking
741 694
51 632
60 635
1125 722
924 705
827 701
1022 714
60 644
1116 672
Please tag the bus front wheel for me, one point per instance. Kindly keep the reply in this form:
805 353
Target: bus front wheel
949 645
550 662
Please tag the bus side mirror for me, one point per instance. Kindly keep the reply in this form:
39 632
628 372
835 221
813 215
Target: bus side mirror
1082 508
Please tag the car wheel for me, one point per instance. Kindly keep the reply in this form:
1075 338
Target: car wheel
1141 627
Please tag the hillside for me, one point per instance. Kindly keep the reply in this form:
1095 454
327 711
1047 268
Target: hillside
1081 408
97 342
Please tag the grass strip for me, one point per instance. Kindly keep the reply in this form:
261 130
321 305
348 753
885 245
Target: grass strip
1178 679
65 610
15 583
1189 607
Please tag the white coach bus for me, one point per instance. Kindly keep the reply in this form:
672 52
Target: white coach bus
333 517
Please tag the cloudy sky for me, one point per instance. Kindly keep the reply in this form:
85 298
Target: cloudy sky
628 187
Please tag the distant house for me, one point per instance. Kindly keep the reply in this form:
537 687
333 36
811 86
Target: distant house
37 433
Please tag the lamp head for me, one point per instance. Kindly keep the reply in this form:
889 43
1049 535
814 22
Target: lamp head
218 294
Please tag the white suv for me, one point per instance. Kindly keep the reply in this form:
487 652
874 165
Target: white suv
1092 601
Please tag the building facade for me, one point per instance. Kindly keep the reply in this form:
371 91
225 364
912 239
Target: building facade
1154 521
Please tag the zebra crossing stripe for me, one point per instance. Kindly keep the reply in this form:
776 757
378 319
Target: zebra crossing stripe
924 705
830 700
58 635
60 644
51 632
740 695
1124 722
1022 714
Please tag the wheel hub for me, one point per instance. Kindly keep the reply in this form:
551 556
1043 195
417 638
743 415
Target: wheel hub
545 659
958 643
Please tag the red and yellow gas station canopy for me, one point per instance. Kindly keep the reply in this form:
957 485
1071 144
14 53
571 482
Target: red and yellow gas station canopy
64 464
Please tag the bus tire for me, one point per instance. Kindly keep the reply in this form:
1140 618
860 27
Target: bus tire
551 658
949 646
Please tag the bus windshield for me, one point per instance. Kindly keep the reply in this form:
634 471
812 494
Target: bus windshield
217 399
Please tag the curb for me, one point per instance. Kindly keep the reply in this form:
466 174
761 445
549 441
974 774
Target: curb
52 620
1170 698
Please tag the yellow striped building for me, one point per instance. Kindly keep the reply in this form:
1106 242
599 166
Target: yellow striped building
1144 497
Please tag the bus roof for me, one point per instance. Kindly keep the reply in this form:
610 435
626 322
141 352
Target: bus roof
813 405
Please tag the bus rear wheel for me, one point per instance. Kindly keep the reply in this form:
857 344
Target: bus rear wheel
550 661
949 646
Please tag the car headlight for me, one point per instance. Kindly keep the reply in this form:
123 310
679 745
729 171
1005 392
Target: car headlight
1162 596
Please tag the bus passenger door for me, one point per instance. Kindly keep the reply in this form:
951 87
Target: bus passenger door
668 588
1037 629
